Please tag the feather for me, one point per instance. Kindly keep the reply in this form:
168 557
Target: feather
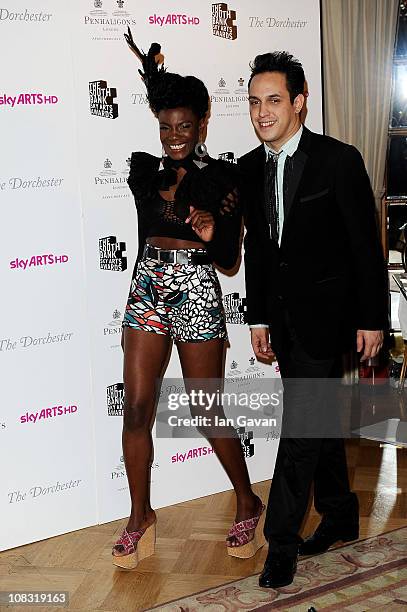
149 61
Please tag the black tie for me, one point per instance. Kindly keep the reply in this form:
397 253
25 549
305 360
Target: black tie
271 195
287 176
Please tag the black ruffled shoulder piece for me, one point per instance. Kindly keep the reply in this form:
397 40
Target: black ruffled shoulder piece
146 177
214 188
143 175
207 188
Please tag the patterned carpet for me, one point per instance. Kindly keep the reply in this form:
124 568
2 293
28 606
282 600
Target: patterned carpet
367 575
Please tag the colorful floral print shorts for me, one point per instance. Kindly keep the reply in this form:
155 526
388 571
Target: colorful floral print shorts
183 301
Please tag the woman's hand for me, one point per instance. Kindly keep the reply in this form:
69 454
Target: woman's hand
202 223
229 203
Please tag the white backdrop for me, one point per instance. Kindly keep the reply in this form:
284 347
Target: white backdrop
65 201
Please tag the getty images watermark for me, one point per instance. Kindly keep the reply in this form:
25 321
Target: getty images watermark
209 401
266 407
217 408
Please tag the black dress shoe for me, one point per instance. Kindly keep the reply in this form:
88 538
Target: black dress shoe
326 535
278 571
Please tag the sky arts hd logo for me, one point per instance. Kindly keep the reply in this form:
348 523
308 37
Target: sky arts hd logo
173 19
192 453
48 413
222 21
111 254
27 99
38 261
101 100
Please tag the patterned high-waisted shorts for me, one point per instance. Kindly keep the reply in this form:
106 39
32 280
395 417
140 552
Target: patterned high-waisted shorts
183 301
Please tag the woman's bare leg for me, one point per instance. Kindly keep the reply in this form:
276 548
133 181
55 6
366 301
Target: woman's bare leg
145 354
201 360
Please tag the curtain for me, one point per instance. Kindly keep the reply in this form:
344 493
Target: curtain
358 42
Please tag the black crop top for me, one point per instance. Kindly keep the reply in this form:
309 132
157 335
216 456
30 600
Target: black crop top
211 188
162 220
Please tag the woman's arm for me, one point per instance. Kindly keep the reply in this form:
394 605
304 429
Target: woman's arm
143 168
224 248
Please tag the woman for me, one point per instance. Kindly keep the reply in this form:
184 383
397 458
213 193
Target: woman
187 218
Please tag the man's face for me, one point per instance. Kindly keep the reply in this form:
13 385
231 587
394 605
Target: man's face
275 119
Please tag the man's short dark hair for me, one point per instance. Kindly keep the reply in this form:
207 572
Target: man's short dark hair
281 61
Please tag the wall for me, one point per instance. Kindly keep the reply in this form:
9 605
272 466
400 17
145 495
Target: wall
69 240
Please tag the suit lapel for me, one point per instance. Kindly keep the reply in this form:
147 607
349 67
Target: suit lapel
299 161
298 164
258 169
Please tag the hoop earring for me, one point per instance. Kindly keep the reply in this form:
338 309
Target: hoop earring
200 151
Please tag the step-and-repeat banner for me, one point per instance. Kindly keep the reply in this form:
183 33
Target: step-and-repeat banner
72 110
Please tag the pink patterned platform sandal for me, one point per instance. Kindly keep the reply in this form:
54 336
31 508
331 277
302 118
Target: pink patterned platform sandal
137 545
245 548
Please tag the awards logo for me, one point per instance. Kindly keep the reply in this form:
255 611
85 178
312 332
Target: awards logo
101 100
115 399
230 157
223 19
111 254
246 440
235 308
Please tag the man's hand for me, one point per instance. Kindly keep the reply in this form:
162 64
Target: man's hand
370 342
260 338
202 223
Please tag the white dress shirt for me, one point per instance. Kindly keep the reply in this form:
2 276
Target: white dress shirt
288 148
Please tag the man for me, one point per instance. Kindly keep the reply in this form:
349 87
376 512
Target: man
315 280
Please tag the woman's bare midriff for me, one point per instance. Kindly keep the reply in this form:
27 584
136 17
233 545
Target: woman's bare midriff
173 243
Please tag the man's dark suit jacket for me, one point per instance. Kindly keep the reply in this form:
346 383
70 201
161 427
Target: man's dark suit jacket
328 273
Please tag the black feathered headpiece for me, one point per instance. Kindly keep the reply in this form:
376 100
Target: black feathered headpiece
168 89
152 61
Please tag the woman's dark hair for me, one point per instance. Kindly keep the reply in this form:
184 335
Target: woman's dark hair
281 61
170 90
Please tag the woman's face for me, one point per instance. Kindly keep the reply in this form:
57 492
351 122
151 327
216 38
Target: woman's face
179 131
